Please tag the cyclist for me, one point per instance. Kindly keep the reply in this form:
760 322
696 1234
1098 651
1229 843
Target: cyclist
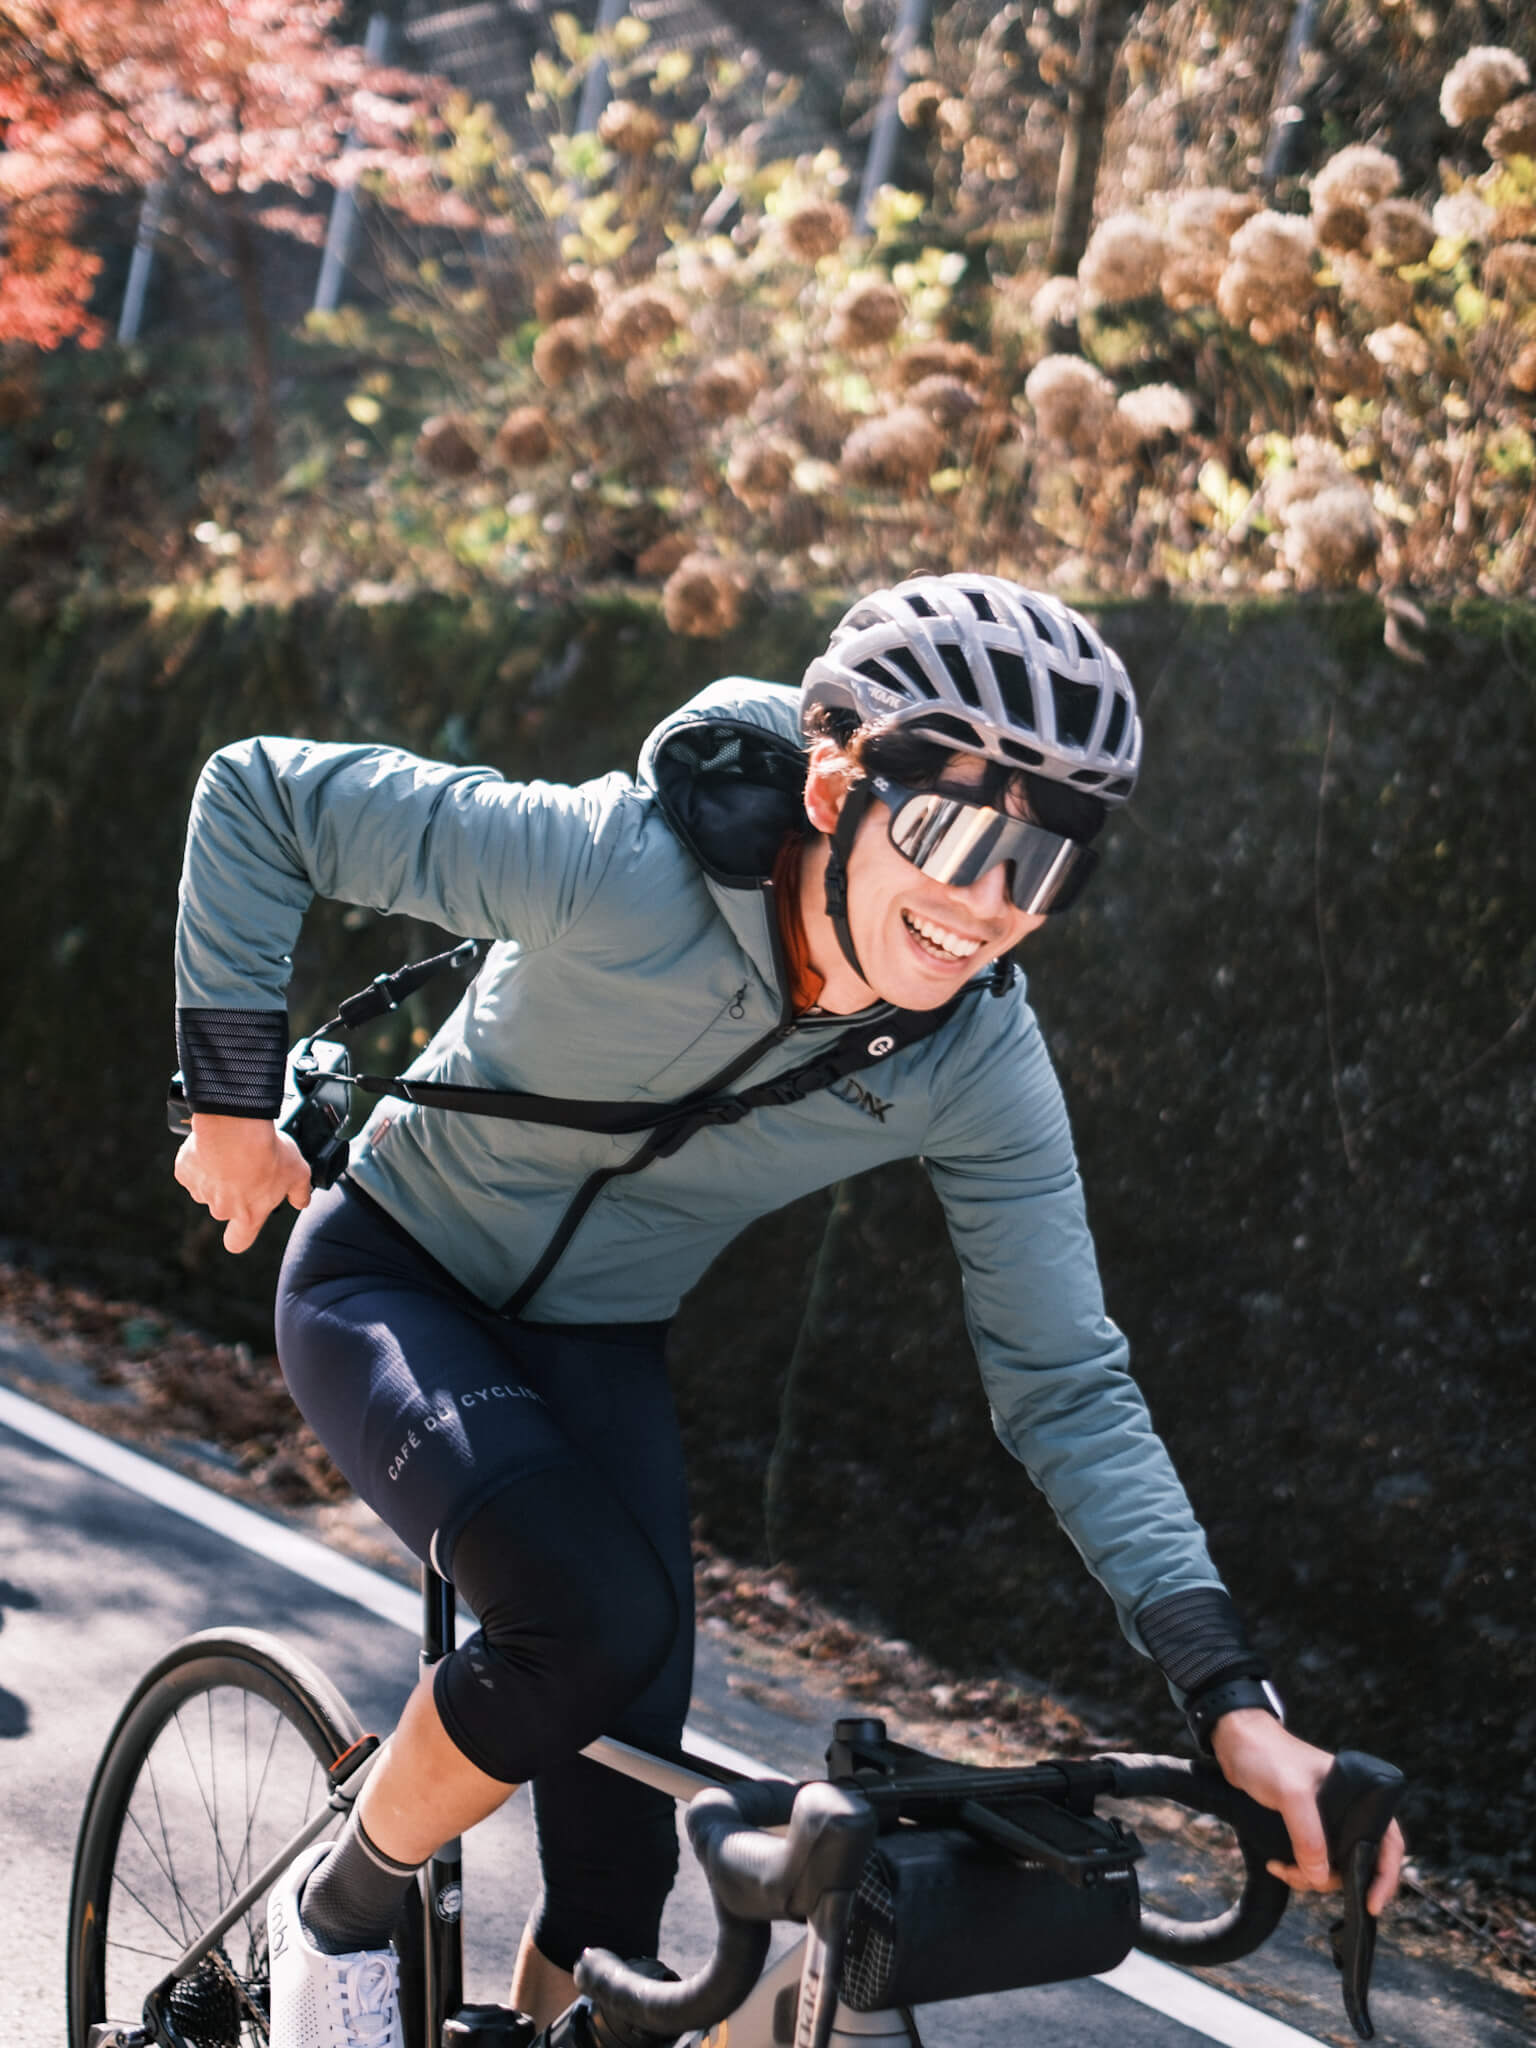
473 1320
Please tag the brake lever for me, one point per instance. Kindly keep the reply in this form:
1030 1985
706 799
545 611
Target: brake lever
1356 1801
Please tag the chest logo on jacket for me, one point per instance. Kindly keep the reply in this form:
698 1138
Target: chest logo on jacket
850 1090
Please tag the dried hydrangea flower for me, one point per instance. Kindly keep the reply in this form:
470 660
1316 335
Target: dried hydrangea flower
815 228
1511 269
867 315
1462 216
1512 131
1123 259
629 128
1400 349
941 359
952 118
1073 402
448 445
948 401
561 350
565 296
1380 296
1358 175
761 469
1477 85
1201 225
1056 303
899 449
635 322
663 556
523 438
726 387
1342 227
1327 540
1400 230
1267 283
1521 374
702 597
919 104
1153 410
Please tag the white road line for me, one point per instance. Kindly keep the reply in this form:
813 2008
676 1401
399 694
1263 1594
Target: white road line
1171 1992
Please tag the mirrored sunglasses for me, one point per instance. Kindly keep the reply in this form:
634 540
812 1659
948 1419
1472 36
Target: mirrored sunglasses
956 842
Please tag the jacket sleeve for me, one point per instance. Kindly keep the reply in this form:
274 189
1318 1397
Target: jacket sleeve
276 822
1054 1365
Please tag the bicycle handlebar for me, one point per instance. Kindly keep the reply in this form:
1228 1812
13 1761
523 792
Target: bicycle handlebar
755 1878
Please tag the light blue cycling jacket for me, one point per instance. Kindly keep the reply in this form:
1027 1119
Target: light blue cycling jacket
635 956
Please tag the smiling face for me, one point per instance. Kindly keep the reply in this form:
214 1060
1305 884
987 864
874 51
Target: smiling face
918 940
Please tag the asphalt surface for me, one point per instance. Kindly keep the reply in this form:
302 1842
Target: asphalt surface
95 1581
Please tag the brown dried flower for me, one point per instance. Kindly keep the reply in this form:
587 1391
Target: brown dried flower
663 556
867 315
561 350
815 228
1511 269
727 386
1401 231
524 438
1153 410
629 128
448 445
702 597
761 469
941 359
1400 349
948 401
1521 374
1477 85
1463 216
952 118
1380 296
1201 225
1055 304
1123 259
1072 400
565 296
1267 283
635 322
919 103
1357 175
1327 540
1342 227
899 449
1512 131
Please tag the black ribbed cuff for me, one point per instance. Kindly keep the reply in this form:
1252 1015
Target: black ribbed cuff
233 1061
1197 1639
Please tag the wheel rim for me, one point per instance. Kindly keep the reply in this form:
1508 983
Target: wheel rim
225 1780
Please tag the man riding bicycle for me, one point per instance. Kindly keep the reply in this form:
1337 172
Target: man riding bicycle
473 1320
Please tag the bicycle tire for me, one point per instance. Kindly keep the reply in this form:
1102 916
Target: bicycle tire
215 1762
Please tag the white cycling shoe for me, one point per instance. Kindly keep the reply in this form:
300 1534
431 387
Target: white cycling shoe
321 2001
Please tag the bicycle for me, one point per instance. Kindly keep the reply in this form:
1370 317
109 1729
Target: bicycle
916 1879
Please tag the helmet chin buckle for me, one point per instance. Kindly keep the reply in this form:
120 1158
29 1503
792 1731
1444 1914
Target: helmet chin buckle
839 846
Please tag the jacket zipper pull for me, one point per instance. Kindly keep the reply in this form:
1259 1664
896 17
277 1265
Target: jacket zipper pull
738 1008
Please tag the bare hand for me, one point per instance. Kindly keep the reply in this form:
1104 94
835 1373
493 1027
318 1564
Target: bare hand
1285 1774
241 1169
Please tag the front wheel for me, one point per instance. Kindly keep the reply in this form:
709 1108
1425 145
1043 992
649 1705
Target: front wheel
218 1760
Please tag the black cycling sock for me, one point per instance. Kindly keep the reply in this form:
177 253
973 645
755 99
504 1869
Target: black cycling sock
352 1899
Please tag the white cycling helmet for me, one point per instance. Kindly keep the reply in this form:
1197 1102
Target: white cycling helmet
988 668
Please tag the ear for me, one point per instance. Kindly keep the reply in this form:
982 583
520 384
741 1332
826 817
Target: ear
826 783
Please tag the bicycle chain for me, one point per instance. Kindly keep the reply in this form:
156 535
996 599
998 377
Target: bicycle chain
224 1968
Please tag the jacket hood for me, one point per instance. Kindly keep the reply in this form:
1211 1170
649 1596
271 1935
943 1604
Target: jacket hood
728 770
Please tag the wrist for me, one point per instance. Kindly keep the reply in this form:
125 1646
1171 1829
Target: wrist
1204 1710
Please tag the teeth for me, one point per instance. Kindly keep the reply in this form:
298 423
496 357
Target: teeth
946 942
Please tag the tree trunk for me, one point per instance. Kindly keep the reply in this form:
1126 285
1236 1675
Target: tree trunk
1287 117
1104 23
258 334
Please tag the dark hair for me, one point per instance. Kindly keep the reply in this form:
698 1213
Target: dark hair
911 756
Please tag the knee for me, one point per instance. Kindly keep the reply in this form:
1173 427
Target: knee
577 1616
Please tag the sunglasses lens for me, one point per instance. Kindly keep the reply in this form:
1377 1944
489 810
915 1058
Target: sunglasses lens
956 843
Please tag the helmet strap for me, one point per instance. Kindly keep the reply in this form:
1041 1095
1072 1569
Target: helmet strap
856 802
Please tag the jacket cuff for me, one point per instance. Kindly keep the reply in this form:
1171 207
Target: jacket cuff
1198 1640
233 1062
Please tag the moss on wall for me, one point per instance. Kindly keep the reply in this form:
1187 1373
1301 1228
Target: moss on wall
1293 1025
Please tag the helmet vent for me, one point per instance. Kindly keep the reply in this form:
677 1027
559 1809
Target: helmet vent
1016 750
982 606
1076 707
921 606
862 616
1012 672
904 659
960 674
1085 646
1089 777
1116 727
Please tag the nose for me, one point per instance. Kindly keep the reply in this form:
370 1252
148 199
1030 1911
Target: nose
989 894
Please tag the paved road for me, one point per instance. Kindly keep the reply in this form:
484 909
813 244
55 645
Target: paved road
95 1580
